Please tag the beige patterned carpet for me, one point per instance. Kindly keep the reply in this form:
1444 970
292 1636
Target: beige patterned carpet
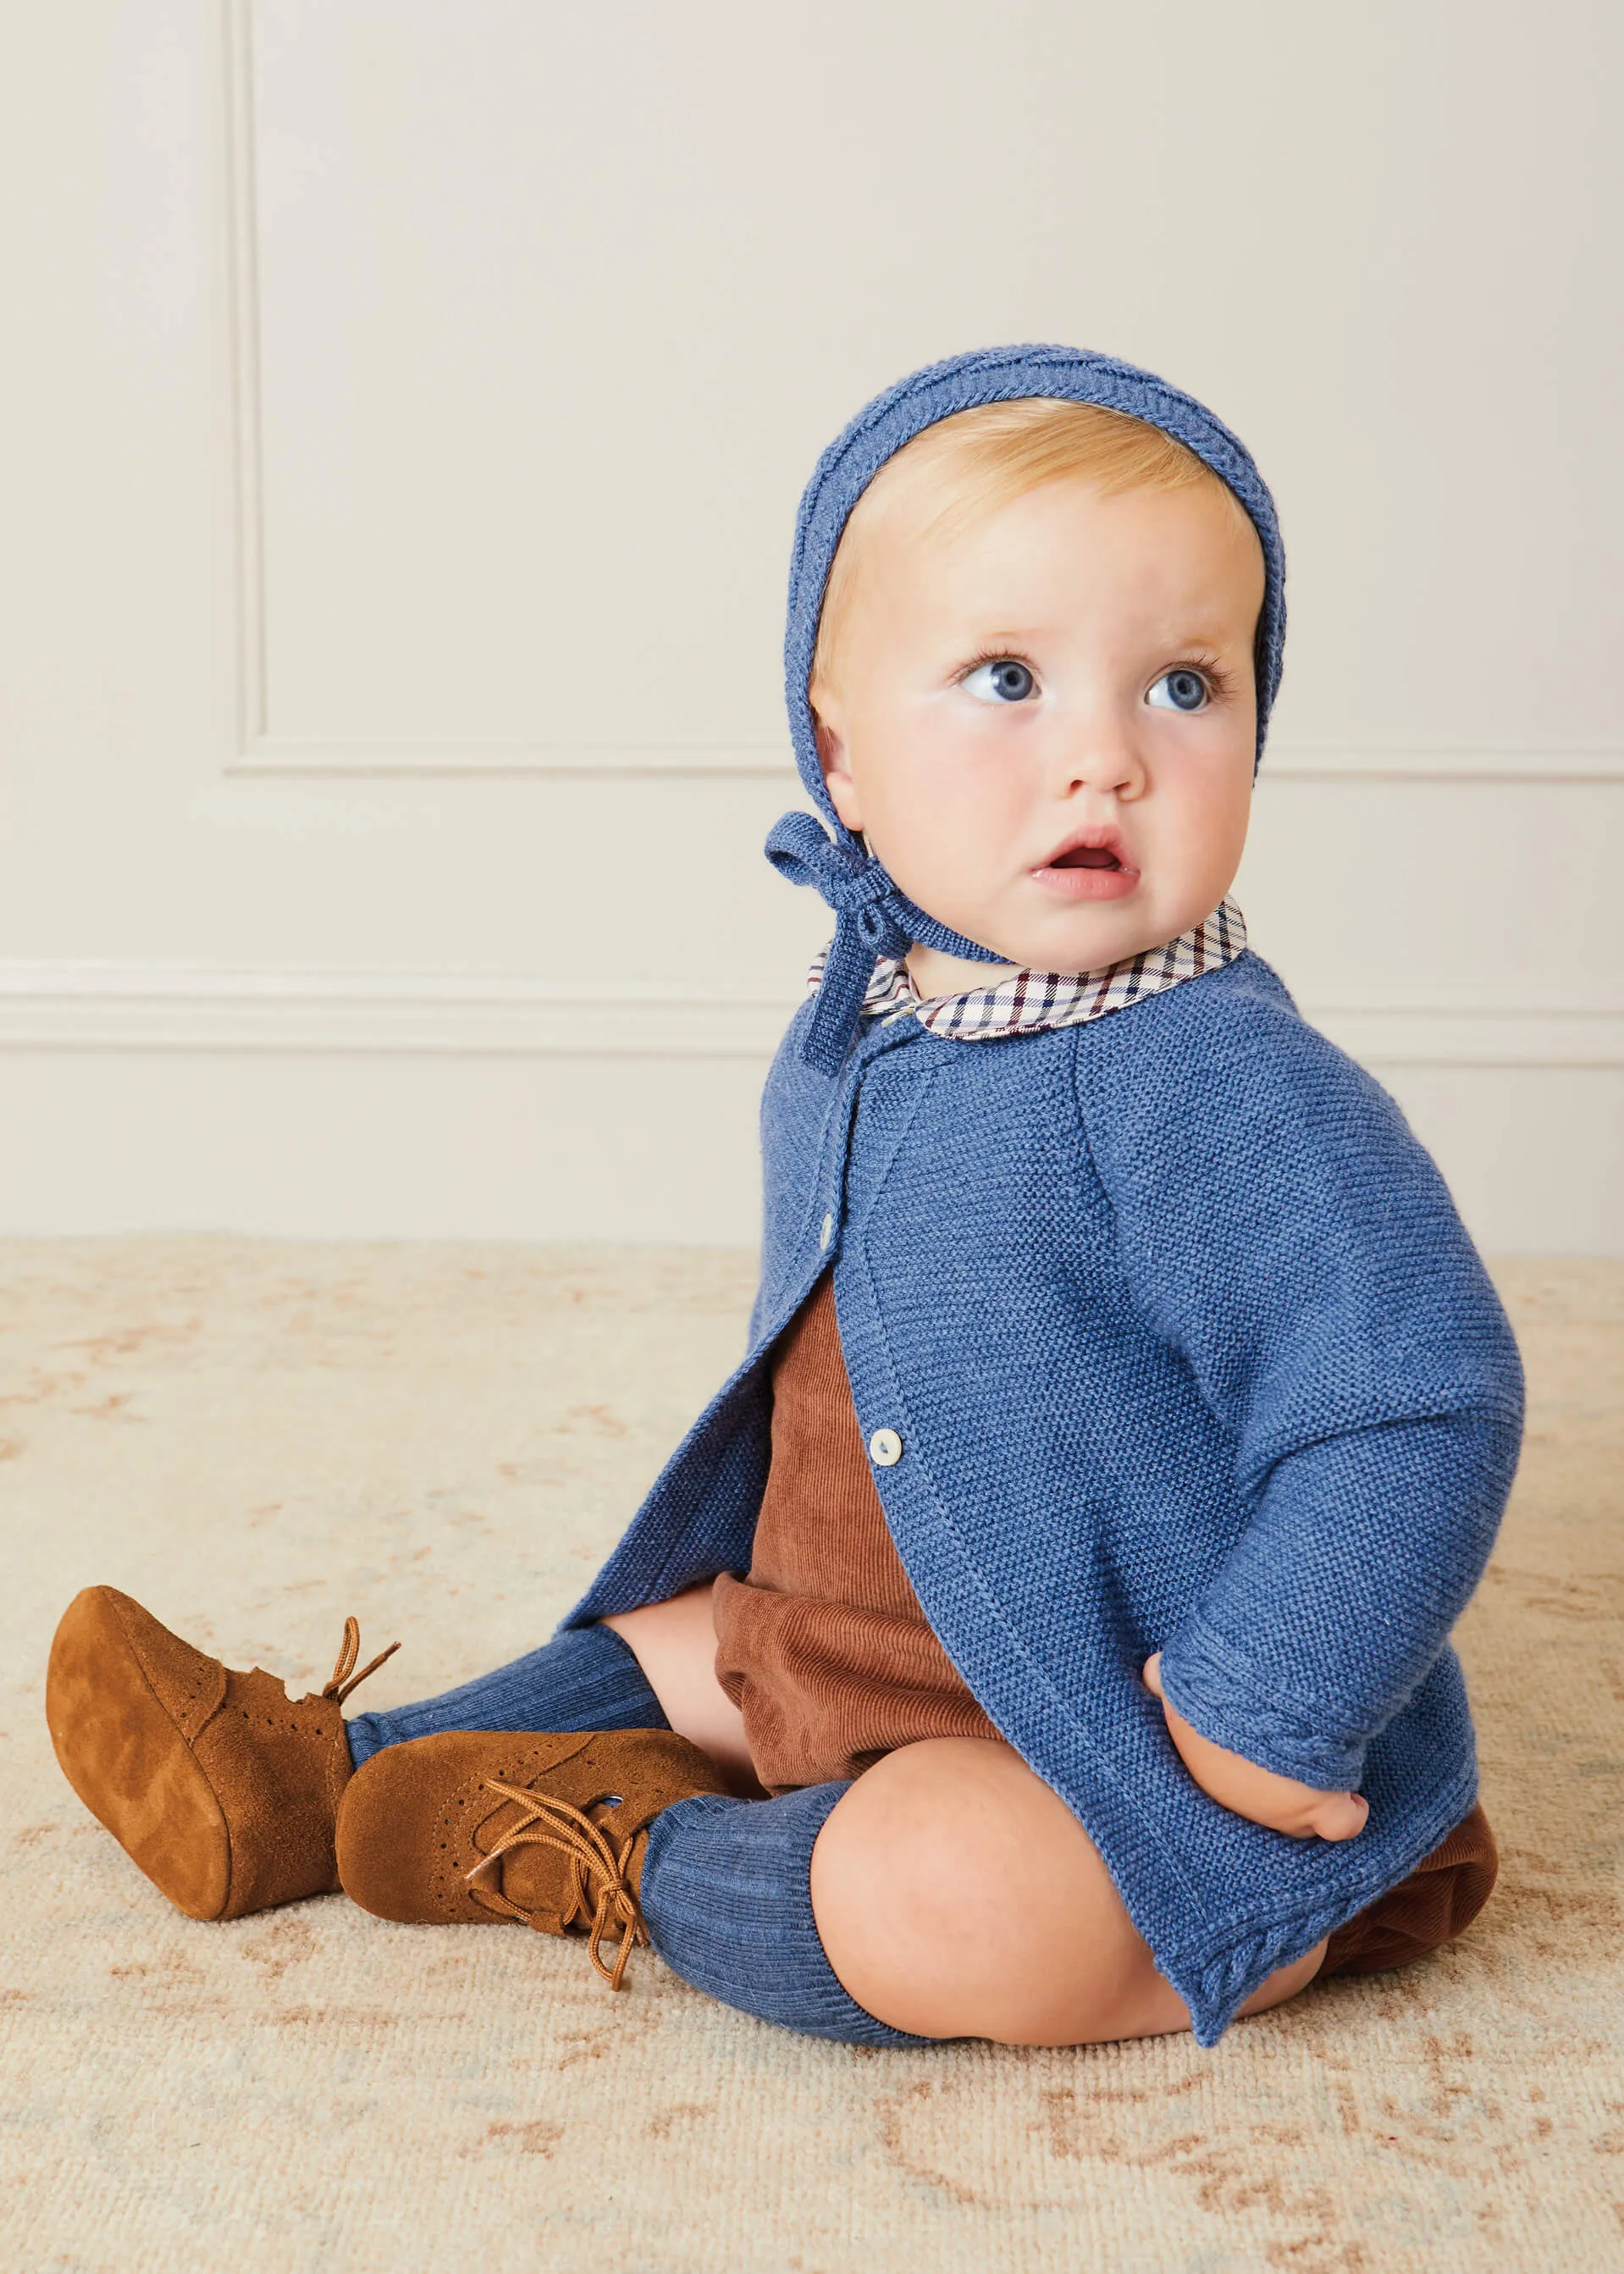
255 1438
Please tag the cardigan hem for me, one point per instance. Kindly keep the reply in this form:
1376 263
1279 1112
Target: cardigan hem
1213 1983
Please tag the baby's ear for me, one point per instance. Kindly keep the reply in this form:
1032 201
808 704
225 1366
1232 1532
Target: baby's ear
837 771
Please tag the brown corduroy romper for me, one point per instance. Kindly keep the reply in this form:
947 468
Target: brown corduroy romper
828 1655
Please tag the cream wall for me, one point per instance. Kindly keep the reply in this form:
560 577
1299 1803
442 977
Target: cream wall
406 406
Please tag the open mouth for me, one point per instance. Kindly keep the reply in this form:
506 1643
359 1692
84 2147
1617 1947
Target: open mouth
1094 866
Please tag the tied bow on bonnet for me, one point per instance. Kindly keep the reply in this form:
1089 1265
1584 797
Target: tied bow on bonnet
873 917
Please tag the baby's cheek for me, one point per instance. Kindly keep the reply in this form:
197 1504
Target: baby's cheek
1200 835
947 819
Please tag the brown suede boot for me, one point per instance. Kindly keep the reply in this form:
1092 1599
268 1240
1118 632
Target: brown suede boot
223 1789
551 1830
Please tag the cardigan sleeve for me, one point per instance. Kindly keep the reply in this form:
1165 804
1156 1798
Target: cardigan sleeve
1309 1639
1280 1228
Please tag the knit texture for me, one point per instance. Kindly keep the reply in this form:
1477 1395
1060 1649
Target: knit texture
727 1895
875 917
585 1679
1187 1351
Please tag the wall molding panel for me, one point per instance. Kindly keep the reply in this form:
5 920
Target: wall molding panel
125 1007
122 1006
263 754
1468 767
248 468
261 751
258 749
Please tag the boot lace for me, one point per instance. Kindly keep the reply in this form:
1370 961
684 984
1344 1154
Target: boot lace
595 1861
344 1677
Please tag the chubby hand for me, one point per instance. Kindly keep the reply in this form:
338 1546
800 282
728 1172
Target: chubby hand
1236 1783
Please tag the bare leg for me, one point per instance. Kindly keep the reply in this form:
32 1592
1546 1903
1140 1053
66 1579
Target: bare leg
674 1643
956 1895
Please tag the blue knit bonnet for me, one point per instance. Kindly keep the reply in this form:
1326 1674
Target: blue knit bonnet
874 916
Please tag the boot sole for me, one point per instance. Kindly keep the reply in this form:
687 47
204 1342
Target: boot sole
121 1752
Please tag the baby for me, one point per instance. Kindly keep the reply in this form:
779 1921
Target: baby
1043 1635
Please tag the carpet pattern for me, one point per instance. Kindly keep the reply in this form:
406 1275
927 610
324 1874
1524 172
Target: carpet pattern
254 1439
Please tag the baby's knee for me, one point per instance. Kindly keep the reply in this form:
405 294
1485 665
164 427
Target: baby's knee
957 1896
909 1850
904 1902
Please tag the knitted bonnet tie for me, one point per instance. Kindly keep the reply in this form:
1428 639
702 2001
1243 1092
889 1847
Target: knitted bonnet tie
873 917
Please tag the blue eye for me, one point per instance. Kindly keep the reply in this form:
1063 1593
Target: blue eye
1180 690
1001 681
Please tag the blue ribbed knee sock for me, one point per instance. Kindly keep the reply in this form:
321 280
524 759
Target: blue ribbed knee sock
726 1893
584 1679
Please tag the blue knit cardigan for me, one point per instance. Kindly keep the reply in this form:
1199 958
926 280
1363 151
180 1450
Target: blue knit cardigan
1187 1351
1184 1343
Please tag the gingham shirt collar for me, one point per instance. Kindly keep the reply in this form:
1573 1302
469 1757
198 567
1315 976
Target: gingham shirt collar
1030 1002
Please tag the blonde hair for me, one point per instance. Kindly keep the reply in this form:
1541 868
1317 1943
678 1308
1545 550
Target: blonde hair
979 461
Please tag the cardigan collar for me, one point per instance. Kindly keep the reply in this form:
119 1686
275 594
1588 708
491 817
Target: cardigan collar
1032 1002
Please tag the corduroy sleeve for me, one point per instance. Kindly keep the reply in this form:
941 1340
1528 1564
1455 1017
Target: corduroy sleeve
1283 1230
